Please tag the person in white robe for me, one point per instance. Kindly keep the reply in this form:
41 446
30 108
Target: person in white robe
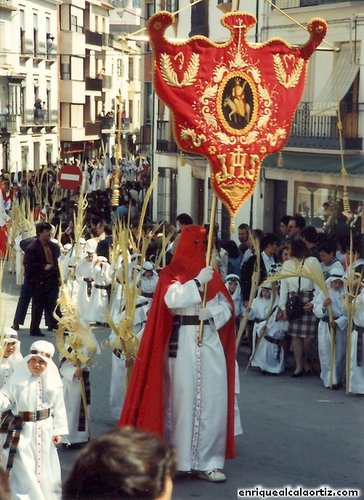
356 377
101 274
118 368
260 307
34 395
84 278
183 383
12 356
233 285
149 280
337 292
269 351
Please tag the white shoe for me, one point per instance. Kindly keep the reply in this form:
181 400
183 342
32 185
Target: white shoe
213 475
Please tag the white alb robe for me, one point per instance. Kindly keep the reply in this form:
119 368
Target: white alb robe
196 383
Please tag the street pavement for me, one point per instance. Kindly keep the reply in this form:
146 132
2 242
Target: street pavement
296 432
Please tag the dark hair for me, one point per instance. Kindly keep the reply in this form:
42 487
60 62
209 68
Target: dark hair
184 219
299 220
108 229
358 245
244 226
280 251
268 239
328 246
42 226
285 219
309 233
232 249
123 463
298 249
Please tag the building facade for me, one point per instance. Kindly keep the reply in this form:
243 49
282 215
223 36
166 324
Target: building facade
28 84
310 171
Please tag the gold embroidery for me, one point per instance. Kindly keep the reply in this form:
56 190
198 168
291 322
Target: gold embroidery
170 76
288 81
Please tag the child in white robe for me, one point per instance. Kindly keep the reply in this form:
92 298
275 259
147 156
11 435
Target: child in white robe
10 359
260 308
34 395
269 353
356 377
233 285
337 291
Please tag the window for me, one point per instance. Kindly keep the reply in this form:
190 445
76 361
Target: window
119 67
131 105
71 115
24 157
131 69
76 19
320 204
72 68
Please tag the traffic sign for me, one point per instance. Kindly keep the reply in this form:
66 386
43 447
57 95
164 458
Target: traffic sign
69 177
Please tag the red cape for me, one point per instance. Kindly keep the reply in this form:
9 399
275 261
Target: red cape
144 403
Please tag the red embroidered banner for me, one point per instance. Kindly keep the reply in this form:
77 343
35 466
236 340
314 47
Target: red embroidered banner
231 102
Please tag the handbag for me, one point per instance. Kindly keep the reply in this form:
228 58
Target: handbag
294 306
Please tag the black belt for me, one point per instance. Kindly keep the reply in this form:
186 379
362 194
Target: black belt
88 285
359 344
103 287
148 295
326 319
15 427
178 321
277 342
188 320
118 353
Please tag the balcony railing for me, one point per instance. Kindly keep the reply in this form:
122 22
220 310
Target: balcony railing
93 38
107 122
8 124
165 146
317 131
93 128
291 4
93 84
39 118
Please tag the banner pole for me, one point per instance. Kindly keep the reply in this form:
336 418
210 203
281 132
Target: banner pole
208 259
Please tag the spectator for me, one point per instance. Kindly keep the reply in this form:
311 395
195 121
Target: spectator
283 227
327 257
310 238
124 463
234 259
295 226
43 276
303 329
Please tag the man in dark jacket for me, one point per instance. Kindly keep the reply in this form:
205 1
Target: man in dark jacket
42 275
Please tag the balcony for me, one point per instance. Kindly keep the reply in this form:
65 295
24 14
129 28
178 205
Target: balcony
26 47
94 84
320 131
291 4
107 82
107 122
8 5
8 124
107 39
164 146
39 118
93 38
93 128
39 51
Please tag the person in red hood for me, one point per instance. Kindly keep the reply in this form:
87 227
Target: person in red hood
179 389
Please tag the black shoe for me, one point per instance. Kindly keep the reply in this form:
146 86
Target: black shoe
15 327
299 374
37 334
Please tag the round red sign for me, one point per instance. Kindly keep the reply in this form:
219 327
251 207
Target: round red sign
69 177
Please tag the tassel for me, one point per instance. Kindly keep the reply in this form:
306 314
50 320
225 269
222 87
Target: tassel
232 226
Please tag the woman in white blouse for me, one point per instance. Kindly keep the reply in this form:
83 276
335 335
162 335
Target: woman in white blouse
303 329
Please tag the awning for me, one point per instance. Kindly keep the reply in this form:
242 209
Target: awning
318 164
344 71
